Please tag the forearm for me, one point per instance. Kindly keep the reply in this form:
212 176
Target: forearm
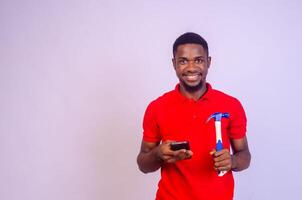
241 160
149 161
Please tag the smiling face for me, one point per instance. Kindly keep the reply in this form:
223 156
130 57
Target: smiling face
191 64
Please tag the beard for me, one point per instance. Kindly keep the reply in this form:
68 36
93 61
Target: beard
194 88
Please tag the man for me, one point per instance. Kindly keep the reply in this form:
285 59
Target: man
184 114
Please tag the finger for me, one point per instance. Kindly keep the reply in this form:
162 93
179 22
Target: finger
168 141
169 153
166 144
223 151
183 154
166 150
173 156
223 165
178 153
222 157
166 157
223 168
171 160
189 154
212 152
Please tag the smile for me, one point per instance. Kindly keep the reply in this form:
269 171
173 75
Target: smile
192 77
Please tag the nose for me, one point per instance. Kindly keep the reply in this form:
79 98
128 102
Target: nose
191 63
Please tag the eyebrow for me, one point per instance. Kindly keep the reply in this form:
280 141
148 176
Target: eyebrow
185 58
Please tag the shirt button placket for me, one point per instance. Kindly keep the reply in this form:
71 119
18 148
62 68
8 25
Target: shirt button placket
194 108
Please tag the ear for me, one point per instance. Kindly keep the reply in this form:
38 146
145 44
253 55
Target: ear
174 63
209 61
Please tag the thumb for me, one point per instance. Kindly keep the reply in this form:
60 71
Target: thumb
212 152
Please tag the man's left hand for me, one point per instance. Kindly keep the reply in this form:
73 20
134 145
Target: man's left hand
222 160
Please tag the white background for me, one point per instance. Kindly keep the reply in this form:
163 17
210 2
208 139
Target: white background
76 77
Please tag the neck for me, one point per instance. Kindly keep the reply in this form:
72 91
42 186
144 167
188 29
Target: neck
196 95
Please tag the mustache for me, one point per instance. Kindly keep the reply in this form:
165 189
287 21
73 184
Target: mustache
192 72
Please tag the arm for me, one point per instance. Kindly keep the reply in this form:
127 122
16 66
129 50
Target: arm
241 157
148 159
240 160
153 155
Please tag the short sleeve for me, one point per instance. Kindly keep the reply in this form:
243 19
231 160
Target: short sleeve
151 131
238 121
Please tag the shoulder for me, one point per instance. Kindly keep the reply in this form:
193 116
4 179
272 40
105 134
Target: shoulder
223 100
164 99
222 96
159 106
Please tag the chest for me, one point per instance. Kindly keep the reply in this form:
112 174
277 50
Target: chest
189 121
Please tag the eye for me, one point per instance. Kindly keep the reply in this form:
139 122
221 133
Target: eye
199 60
182 62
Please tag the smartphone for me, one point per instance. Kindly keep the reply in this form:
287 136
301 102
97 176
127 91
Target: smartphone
180 145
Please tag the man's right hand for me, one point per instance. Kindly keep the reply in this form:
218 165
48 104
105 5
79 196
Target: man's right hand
153 155
165 153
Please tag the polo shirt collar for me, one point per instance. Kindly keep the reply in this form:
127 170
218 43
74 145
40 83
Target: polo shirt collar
206 96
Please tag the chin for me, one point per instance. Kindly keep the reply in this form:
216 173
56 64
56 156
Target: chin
193 86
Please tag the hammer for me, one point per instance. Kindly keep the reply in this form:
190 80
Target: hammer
219 146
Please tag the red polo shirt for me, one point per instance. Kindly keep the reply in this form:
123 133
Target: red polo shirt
175 117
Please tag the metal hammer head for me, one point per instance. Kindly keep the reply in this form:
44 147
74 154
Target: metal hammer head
218 115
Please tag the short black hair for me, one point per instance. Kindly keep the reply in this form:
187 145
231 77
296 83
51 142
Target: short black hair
190 38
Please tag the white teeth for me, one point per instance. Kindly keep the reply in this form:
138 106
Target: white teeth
192 77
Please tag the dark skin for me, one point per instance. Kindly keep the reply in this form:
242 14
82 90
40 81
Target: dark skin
191 63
